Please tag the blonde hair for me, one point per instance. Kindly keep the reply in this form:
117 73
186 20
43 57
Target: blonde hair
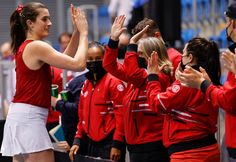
151 44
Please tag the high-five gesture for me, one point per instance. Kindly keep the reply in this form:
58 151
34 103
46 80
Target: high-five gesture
72 11
139 35
80 21
117 27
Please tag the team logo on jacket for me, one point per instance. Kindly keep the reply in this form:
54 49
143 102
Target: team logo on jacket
85 94
175 88
120 87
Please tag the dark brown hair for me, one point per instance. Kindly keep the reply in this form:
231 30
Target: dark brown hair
18 26
153 27
207 56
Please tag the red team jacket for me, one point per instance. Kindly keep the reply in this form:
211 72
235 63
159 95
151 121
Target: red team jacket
225 97
141 124
101 110
189 115
175 58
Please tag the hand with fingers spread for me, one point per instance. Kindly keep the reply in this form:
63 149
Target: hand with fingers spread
229 59
80 21
117 27
139 35
153 67
73 151
115 154
191 77
72 10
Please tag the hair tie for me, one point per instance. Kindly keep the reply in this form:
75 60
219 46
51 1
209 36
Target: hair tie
19 9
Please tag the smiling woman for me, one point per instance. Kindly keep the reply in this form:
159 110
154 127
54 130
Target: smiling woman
25 135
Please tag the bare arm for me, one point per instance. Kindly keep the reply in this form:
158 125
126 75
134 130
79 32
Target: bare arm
37 53
74 41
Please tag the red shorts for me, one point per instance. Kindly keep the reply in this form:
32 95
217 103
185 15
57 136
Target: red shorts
204 154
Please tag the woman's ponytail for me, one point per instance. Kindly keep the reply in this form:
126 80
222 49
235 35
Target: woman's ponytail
16 30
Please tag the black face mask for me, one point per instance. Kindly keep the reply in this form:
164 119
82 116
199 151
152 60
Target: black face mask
142 62
182 65
196 67
96 71
228 35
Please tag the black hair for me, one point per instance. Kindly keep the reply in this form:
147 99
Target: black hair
97 44
18 26
207 56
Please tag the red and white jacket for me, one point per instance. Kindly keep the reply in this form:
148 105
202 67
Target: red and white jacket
175 58
101 110
189 115
225 97
141 124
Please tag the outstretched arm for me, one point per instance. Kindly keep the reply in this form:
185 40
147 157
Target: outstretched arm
222 96
37 53
110 62
135 74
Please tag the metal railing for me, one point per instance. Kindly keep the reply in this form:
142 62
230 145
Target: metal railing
7 84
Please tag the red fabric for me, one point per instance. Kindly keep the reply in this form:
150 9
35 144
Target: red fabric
205 154
32 86
225 97
101 109
189 115
141 124
230 131
175 57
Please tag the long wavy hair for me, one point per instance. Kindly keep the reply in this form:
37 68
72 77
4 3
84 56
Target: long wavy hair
151 44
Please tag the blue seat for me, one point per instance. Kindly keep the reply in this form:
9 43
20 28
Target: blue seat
188 34
103 11
222 39
183 10
224 5
104 39
206 4
186 10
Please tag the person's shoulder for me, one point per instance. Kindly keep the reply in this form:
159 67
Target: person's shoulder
173 50
113 79
38 46
37 43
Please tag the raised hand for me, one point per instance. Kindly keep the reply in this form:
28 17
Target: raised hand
229 60
153 67
80 20
117 27
72 11
139 35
